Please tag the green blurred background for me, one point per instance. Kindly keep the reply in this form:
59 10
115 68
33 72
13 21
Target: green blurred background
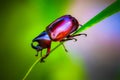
95 57
20 22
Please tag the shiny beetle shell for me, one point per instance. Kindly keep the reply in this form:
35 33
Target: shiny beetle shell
62 27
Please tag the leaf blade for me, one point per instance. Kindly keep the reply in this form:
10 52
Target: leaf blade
110 10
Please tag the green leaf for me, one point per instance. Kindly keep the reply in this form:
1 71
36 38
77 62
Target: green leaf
110 10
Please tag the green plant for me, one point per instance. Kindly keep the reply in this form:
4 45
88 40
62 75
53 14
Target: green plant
110 10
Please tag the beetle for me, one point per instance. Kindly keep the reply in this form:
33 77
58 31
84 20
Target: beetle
59 30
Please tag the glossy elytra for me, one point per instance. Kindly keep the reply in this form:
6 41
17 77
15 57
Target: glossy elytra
59 30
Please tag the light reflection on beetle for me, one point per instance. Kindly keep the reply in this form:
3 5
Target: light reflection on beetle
59 30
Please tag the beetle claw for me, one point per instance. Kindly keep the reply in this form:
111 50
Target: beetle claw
75 39
42 60
83 34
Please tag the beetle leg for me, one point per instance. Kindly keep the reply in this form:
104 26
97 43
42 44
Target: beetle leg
69 38
64 47
77 35
36 54
41 53
48 51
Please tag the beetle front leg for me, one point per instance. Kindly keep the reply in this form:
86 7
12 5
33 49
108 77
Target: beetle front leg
36 54
48 51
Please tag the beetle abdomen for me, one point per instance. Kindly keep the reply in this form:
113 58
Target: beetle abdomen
62 27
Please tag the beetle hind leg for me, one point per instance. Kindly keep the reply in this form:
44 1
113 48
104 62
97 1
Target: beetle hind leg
64 47
71 37
77 35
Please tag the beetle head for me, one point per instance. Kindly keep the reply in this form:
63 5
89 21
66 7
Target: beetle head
37 47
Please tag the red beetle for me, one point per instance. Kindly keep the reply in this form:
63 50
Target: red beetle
59 30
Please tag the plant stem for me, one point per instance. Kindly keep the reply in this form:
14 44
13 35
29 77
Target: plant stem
29 70
110 10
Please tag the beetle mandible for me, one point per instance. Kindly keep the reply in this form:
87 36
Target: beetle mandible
59 30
